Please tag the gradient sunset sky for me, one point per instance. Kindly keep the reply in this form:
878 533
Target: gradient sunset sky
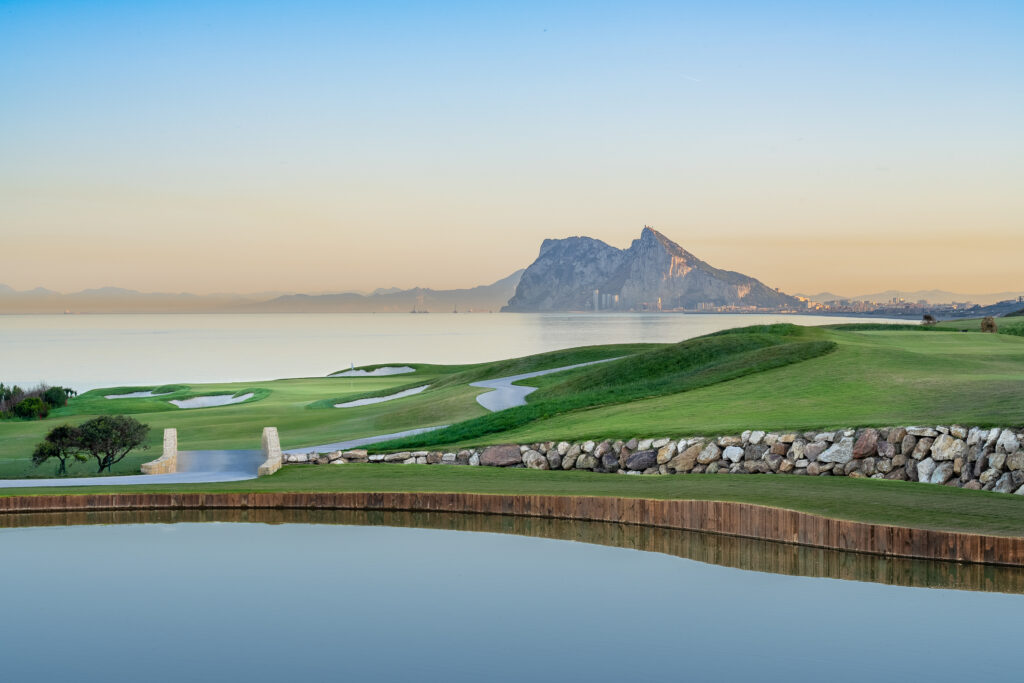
302 146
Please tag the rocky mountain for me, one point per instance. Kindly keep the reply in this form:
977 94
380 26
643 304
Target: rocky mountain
654 268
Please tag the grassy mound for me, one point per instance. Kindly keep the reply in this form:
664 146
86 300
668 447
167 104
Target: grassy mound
674 369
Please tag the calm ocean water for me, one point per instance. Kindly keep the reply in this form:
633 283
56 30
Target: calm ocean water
89 351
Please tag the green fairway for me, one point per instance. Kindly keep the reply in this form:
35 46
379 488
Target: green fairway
301 409
865 500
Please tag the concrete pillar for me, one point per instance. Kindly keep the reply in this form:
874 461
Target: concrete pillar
271 452
168 460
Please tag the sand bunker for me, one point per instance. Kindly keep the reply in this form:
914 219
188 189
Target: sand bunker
381 399
211 401
379 372
138 394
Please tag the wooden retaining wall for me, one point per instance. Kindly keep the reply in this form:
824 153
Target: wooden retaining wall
733 519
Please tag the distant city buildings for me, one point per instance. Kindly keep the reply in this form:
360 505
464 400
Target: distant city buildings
896 306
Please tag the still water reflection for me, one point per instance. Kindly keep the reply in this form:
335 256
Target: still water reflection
396 596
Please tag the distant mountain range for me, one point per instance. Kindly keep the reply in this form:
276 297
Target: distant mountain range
932 296
654 273
114 300
484 298
383 300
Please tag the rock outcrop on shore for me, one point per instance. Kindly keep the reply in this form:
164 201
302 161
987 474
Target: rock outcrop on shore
989 459
653 269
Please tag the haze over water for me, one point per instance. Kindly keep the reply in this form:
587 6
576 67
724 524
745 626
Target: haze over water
90 351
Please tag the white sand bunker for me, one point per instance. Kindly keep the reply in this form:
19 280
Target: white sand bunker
138 394
379 372
211 401
381 399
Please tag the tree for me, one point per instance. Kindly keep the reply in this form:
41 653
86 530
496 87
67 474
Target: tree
62 444
56 397
9 395
31 408
928 319
109 438
989 325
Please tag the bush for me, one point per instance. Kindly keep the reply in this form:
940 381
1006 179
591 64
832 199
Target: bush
928 319
31 408
989 325
53 397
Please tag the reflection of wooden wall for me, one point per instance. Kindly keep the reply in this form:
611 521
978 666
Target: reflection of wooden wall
729 551
734 519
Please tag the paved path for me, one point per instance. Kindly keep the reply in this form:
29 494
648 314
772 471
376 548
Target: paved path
506 394
356 443
195 467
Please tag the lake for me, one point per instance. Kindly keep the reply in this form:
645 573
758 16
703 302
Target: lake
359 596
90 351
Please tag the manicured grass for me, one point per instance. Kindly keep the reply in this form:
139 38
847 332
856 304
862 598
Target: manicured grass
1013 326
770 377
865 500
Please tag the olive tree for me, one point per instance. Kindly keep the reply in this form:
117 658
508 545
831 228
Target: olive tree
61 444
109 438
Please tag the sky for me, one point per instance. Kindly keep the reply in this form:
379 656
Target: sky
307 146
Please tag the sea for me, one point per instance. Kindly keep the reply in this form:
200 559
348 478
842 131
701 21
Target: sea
89 351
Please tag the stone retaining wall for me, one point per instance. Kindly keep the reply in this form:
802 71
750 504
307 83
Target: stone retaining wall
733 519
168 461
972 458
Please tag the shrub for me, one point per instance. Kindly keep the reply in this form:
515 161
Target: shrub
928 319
989 325
31 408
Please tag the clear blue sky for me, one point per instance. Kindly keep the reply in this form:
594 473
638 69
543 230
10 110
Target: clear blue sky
440 142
